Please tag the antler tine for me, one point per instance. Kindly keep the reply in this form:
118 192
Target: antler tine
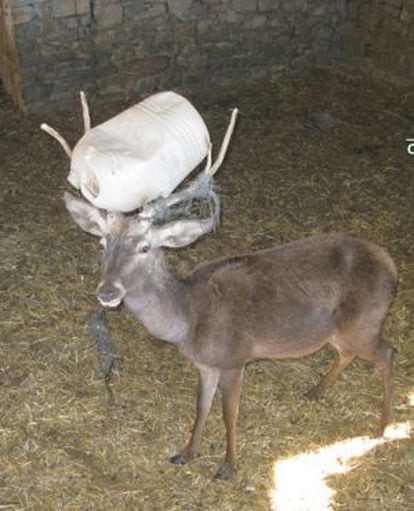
225 143
57 136
86 124
209 159
85 112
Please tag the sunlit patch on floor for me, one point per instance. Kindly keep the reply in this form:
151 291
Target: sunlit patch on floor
410 398
300 482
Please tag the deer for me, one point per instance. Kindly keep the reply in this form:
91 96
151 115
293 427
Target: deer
286 301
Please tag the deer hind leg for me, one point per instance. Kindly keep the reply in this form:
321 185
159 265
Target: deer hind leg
208 380
230 384
343 361
383 358
382 354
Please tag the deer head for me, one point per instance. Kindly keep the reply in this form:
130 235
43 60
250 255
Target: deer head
131 243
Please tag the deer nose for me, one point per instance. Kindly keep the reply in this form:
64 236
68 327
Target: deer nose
110 295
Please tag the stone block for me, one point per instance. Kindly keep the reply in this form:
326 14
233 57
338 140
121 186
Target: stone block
256 21
83 7
149 66
26 34
187 10
408 6
406 16
108 13
23 14
179 8
64 8
245 5
268 5
234 17
155 10
145 85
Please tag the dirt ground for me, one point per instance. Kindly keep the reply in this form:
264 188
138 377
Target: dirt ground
316 151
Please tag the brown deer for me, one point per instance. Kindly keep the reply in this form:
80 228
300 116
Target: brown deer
286 301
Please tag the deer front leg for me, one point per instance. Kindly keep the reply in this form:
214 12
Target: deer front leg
230 384
207 386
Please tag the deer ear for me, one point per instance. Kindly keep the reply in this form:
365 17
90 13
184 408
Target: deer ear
180 233
89 218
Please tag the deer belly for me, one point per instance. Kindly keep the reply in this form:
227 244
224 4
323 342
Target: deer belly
292 335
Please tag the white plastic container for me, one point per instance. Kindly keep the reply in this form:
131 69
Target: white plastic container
140 154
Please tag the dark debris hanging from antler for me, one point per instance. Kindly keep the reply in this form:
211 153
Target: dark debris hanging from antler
199 199
108 355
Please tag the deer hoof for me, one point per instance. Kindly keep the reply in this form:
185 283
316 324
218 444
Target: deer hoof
225 472
382 428
178 459
314 393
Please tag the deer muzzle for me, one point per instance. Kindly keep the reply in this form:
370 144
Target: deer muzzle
109 294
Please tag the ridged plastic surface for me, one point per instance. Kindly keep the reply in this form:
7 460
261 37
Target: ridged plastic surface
140 154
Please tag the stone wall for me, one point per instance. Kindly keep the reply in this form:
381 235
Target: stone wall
124 48
380 37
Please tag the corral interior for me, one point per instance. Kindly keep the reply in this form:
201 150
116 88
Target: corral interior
316 150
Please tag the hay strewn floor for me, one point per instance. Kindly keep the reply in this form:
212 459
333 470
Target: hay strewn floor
319 151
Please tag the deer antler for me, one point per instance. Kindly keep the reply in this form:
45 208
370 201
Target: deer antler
85 112
225 143
86 124
56 135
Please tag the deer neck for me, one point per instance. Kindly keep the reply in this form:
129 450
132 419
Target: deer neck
159 300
